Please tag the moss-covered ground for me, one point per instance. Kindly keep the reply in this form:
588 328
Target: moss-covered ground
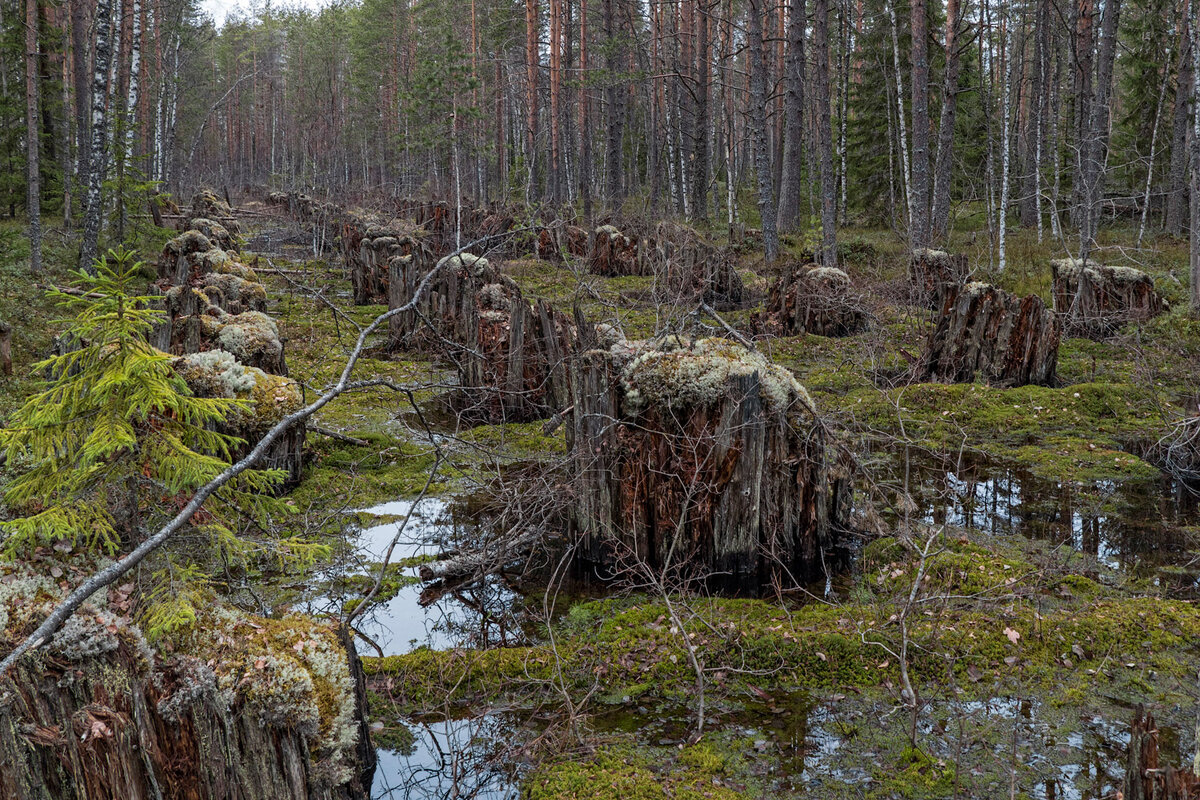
1026 656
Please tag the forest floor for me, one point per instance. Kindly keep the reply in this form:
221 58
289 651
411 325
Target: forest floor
1023 569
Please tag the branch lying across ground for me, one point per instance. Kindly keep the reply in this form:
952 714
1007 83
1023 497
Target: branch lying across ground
119 568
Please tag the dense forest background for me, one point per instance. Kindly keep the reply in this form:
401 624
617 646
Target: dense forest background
771 113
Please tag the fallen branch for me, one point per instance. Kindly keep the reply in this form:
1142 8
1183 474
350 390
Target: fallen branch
332 434
115 571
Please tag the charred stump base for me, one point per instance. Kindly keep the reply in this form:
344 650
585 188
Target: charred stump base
931 270
812 299
368 249
1146 778
988 334
101 716
703 461
1095 301
510 354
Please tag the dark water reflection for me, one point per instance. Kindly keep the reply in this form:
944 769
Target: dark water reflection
1146 528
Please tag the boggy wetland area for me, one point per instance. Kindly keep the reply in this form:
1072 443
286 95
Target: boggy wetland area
944 589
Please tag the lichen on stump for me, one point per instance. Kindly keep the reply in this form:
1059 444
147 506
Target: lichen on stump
704 460
987 334
1096 300
613 254
812 299
239 707
932 270
510 353
268 399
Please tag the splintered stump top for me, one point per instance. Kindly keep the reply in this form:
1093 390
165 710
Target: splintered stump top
704 462
987 334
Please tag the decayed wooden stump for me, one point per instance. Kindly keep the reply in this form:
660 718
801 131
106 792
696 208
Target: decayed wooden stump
930 270
510 354
207 205
104 717
559 241
614 254
1146 778
368 250
812 299
691 269
6 367
1095 300
986 333
704 460
269 398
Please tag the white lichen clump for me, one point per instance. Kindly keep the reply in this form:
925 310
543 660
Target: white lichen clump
473 264
700 375
493 295
215 373
1073 269
831 276
248 335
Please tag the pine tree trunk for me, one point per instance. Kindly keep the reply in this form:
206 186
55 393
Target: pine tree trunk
919 235
94 212
1177 175
555 189
1194 251
80 49
33 137
532 69
585 122
1082 98
700 149
944 161
825 135
1033 117
615 115
1096 144
758 129
793 157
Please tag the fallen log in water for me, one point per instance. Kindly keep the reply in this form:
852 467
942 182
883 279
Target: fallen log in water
988 334
1096 300
704 461
473 565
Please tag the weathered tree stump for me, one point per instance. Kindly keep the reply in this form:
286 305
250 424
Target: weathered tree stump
368 250
1095 300
614 254
213 301
102 716
559 241
986 333
702 460
207 205
510 354
215 232
691 269
1146 778
812 299
931 270
269 398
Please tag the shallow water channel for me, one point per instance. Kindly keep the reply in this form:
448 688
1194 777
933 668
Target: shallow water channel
800 742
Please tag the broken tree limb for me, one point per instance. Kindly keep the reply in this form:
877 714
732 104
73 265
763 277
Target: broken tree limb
477 564
341 437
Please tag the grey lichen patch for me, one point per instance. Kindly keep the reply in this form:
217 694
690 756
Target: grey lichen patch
189 242
227 287
700 373
1073 268
976 288
473 264
828 275
250 336
215 373
494 295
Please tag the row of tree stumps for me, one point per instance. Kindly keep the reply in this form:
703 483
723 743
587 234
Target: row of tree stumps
228 346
